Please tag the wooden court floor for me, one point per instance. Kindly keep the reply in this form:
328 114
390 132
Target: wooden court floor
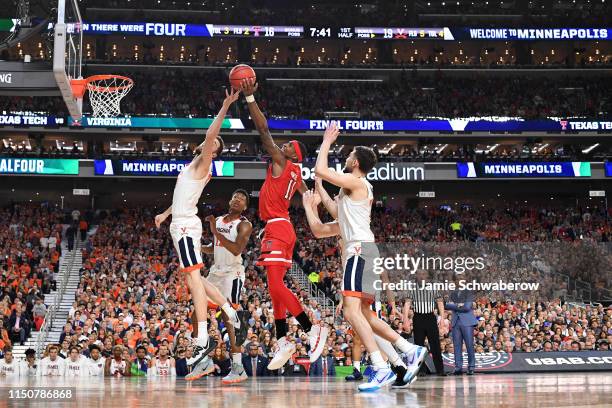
498 391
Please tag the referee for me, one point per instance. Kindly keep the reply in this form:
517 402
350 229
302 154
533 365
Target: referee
425 322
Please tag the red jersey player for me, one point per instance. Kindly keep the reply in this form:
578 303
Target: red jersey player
283 178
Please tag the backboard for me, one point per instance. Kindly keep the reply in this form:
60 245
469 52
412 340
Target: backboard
67 53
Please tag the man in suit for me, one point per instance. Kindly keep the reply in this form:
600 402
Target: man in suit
463 322
254 364
323 366
19 326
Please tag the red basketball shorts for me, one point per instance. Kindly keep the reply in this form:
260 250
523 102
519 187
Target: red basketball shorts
277 243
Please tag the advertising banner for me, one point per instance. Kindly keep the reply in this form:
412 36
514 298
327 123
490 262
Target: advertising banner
29 120
526 169
474 124
155 167
501 362
14 165
154 122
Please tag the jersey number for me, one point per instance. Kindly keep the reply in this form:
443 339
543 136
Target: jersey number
290 186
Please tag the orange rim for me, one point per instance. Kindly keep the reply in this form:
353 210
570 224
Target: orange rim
97 88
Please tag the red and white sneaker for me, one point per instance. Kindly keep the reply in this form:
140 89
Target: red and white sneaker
282 355
317 337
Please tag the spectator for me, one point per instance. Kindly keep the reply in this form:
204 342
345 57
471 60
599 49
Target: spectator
323 366
254 364
39 311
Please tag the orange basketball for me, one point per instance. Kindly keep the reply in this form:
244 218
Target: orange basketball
240 72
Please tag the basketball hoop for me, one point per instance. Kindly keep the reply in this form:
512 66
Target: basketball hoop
105 93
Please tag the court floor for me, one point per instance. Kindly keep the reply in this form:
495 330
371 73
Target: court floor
508 390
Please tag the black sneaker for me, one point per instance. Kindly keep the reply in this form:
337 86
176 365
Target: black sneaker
402 379
356 376
241 333
200 352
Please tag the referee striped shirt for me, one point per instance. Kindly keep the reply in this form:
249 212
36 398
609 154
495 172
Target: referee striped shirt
424 300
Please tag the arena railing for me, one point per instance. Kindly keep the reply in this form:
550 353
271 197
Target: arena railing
51 313
313 291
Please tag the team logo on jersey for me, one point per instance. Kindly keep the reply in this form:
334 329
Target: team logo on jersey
293 175
484 361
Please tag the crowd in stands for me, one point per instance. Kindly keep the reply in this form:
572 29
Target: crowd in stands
131 296
406 97
30 248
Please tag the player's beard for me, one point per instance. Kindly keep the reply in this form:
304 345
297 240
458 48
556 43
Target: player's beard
347 169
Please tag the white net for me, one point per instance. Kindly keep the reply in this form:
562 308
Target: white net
105 94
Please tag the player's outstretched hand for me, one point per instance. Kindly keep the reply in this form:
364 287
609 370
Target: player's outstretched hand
231 97
248 86
311 199
159 220
331 133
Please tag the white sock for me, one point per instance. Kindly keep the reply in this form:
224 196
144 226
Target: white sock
389 350
202 339
404 345
237 358
229 310
377 360
357 365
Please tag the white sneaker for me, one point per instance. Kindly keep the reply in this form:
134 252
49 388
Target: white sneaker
282 355
235 376
200 352
204 367
415 361
317 337
378 379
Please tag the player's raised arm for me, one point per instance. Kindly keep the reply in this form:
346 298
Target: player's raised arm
329 203
322 169
320 230
248 87
210 146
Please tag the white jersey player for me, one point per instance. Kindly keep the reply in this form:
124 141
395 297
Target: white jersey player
9 367
164 365
53 365
231 234
353 209
95 364
29 366
116 365
76 365
186 232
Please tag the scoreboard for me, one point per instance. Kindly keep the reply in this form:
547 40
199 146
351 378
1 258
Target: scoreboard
399 33
257 31
339 32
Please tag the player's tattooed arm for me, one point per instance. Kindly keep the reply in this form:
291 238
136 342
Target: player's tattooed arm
329 203
302 188
322 170
204 151
320 230
248 87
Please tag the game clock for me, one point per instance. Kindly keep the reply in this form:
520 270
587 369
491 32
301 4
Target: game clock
320 32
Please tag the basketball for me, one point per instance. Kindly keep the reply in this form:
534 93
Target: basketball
240 72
